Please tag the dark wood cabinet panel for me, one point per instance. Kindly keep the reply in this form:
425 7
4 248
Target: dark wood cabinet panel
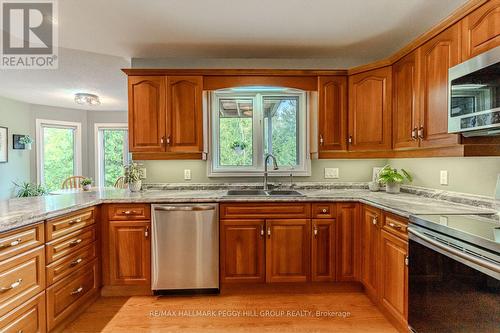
405 114
481 30
437 56
323 250
243 251
347 247
146 113
370 250
288 250
332 113
370 95
184 114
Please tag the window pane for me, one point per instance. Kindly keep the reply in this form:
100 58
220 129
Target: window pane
281 130
235 132
58 156
115 154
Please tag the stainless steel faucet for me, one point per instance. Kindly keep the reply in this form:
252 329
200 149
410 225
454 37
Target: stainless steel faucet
275 167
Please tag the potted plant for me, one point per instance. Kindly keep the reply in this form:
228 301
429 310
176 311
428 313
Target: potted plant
86 184
27 141
133 177
238 146
27 189
393 179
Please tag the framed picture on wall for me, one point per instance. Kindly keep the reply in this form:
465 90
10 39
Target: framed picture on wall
4 144
16 144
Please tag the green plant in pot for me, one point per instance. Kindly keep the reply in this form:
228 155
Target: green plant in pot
86 184
27 189
238 146
133 176
27 141
393 179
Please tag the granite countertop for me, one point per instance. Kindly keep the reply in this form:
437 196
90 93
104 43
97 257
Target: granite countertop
15 213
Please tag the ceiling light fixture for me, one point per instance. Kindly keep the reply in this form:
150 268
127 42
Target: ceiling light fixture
89 99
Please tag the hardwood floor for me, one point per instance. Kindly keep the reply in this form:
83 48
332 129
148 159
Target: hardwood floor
259 308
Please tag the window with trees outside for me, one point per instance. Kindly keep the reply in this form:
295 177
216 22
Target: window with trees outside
249 123
58 152
111 153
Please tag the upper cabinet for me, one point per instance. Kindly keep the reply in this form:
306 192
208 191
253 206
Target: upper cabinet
481 30
437 56
332 113
370 110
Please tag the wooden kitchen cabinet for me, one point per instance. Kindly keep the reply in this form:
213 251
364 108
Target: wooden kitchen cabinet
405 111
437 56
481 30
332 113
129 253
146 113
323 250
370 95
347 239
370 250
243 251
288 250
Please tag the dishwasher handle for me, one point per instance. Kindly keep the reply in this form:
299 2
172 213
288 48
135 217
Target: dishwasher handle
184 208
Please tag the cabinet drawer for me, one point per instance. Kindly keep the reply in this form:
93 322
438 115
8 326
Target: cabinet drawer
21 240
396 225
324 211
64 225
28 318
21 277
69 294
129 212
70 243
265 210
72 262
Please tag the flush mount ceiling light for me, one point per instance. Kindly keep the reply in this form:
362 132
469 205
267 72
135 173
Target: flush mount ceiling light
89 99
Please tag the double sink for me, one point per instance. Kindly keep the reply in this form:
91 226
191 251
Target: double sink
264 193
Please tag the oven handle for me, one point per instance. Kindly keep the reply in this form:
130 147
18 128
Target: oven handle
447 249
184 208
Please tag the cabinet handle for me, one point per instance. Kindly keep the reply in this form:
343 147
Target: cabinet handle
11 244
261 230
375 220
14 285
407 260
129 212
414 134
78 220
162 140
324 211
321 141
350 139
421 133
315 230
168 140
395 226
76 291
269 232
75 242
75 262
146 232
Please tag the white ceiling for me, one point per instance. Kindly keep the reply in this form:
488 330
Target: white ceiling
97 38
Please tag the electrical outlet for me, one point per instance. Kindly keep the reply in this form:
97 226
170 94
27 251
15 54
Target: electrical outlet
443 177
187 174
443 220
331 172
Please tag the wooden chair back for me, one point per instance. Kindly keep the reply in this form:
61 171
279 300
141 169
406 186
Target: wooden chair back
120 182
72 182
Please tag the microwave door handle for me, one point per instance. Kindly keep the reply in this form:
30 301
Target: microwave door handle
493 270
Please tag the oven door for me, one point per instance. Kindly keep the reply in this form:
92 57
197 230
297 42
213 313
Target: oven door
450 290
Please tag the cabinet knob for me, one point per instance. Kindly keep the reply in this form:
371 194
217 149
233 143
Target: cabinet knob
269 232
146 232
375 220
315 230
262 230
421 133
324 210
407 260
350 139
321 141
168 140
414 134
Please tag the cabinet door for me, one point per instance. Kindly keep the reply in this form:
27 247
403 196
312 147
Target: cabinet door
242 251
405 111
370 96
394 276
323 250
370 238
146 113
332 113
287 250
481 30
347 247
185 114
437 56
129 253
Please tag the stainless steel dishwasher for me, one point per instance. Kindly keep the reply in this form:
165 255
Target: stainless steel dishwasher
185 248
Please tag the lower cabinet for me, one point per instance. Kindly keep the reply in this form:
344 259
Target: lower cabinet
323 250
370 250
29 317
347 247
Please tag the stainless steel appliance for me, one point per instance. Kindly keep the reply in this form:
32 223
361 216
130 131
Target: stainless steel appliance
185 249
454 274
474 95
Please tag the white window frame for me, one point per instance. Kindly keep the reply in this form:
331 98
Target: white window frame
214 170
98 144
77 127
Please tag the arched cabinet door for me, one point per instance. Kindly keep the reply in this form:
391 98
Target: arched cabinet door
184 114
146 113
332 113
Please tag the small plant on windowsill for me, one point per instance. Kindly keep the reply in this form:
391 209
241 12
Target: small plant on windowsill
133 176
238 146
393 179
27 189
86 184
27 141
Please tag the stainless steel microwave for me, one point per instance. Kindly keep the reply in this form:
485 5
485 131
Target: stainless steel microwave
474 95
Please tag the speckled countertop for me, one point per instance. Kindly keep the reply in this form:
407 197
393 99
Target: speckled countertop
15 213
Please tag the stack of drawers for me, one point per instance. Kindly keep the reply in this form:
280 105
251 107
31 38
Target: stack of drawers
22 280
72 266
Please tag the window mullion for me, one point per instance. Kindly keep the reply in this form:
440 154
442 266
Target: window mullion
258 138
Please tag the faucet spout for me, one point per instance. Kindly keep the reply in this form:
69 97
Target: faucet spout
275 167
